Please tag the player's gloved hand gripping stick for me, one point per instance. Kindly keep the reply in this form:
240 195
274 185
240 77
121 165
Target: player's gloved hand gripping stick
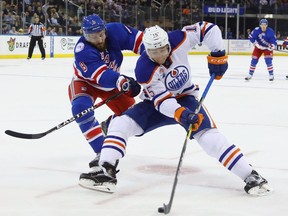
68 121
166 207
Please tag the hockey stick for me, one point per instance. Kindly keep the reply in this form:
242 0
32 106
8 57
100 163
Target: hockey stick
68 121
167 207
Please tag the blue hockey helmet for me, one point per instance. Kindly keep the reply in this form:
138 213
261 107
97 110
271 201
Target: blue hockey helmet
92 24
263 21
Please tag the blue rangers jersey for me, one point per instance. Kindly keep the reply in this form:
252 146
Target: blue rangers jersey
264 39
101 69
163 83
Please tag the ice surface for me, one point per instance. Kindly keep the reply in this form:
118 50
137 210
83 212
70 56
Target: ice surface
40 177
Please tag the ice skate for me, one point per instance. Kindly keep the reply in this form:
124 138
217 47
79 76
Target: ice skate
105 124
101 180
271 77
256 185
247 78
94 164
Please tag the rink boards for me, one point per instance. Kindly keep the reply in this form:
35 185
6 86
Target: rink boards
16 46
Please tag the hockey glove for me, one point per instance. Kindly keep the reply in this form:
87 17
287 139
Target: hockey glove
186 117
271 47
217 64
259 46
128 85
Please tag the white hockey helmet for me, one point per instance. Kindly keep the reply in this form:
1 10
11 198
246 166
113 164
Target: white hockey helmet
155 37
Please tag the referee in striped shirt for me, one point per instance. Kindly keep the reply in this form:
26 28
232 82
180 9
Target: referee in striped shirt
37 31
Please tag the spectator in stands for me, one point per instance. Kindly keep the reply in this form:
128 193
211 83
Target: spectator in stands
53 18
229 34
60 32
10 19
70 32
248 33
80 12
53 31
278 35
29 14
40 13
6 8
13 31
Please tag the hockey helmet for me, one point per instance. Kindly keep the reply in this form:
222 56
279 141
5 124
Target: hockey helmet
155 37
92 24
263 21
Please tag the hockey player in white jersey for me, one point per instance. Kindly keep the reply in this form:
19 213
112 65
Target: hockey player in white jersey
170 97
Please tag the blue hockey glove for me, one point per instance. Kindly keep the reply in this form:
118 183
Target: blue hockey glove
185 116
128 85
217 64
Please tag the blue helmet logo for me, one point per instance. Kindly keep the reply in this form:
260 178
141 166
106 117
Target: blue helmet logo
92 23
263 21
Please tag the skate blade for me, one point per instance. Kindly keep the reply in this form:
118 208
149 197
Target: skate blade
262 190
103 187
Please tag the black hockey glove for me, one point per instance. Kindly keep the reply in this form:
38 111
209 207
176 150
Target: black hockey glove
128 85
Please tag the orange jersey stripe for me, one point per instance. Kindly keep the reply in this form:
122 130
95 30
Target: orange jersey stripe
231 156
162 99
204 29
154 71
115 142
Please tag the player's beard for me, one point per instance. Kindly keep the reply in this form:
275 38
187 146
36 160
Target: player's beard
101 46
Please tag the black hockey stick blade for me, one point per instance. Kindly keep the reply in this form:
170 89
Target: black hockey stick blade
25 136
166 208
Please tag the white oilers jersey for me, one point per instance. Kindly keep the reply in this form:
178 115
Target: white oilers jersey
163 83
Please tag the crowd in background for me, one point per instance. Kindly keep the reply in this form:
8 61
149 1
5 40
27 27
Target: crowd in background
173 14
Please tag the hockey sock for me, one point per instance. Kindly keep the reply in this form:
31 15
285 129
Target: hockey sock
88 124
216 145
113 149
269 65
253 66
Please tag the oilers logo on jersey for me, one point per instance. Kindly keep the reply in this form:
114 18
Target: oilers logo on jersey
177 78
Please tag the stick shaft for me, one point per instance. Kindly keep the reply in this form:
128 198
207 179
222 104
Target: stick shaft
68 121
167 207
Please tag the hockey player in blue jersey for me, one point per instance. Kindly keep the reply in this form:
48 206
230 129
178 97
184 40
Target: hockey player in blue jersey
98 58
170 97
264 40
